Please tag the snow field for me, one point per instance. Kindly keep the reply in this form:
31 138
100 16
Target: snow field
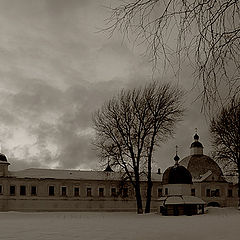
217 224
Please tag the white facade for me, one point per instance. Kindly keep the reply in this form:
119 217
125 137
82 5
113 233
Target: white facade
73 190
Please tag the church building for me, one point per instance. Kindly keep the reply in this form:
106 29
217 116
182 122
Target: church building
193 182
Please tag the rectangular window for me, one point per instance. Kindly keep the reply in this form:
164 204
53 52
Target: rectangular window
113 192
217 193
33 190
64 191
159 192
1 189
208 192
12 190
230 193
101 192
76 192
166 191
22 190
125 192
193 192
89 192
51 191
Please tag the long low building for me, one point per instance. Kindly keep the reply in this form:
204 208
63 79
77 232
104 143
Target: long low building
74 190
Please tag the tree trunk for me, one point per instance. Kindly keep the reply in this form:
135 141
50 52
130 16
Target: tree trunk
149 183
239 185
149 196
149 175
138 191
138 198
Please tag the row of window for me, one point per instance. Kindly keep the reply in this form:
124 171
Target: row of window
101 191
216 193
63 191
209 192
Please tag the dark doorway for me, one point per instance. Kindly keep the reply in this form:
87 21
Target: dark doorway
213 204
175 210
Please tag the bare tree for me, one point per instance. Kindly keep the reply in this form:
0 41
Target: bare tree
225 130
130 126
206 32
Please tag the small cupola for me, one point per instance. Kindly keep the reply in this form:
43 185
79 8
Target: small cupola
177 174
176 158
108 169
196 147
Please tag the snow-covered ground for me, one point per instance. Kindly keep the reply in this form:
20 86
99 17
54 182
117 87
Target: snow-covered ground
217 224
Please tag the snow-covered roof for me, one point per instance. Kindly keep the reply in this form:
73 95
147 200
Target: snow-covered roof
73 174
192 200
172 200
203 176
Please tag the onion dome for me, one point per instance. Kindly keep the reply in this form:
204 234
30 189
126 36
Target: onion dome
3 158
177 175
176 158
196 137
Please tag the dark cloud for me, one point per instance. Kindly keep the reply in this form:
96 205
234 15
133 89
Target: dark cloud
56 71
57 123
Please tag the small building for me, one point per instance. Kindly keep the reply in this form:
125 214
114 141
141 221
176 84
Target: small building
178 201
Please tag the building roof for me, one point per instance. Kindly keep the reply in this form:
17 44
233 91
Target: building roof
176 200
74 174
199 165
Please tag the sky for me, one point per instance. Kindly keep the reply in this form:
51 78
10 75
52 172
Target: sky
57 68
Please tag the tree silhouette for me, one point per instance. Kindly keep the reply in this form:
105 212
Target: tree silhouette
130 126
225 130
205 32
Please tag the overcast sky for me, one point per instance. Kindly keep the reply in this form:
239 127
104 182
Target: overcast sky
56 70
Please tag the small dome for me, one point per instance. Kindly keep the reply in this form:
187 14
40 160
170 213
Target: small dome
196 147
177 175
196 137
176 158
3 158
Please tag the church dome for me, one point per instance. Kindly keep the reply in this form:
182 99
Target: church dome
198 165
177 174
3 158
